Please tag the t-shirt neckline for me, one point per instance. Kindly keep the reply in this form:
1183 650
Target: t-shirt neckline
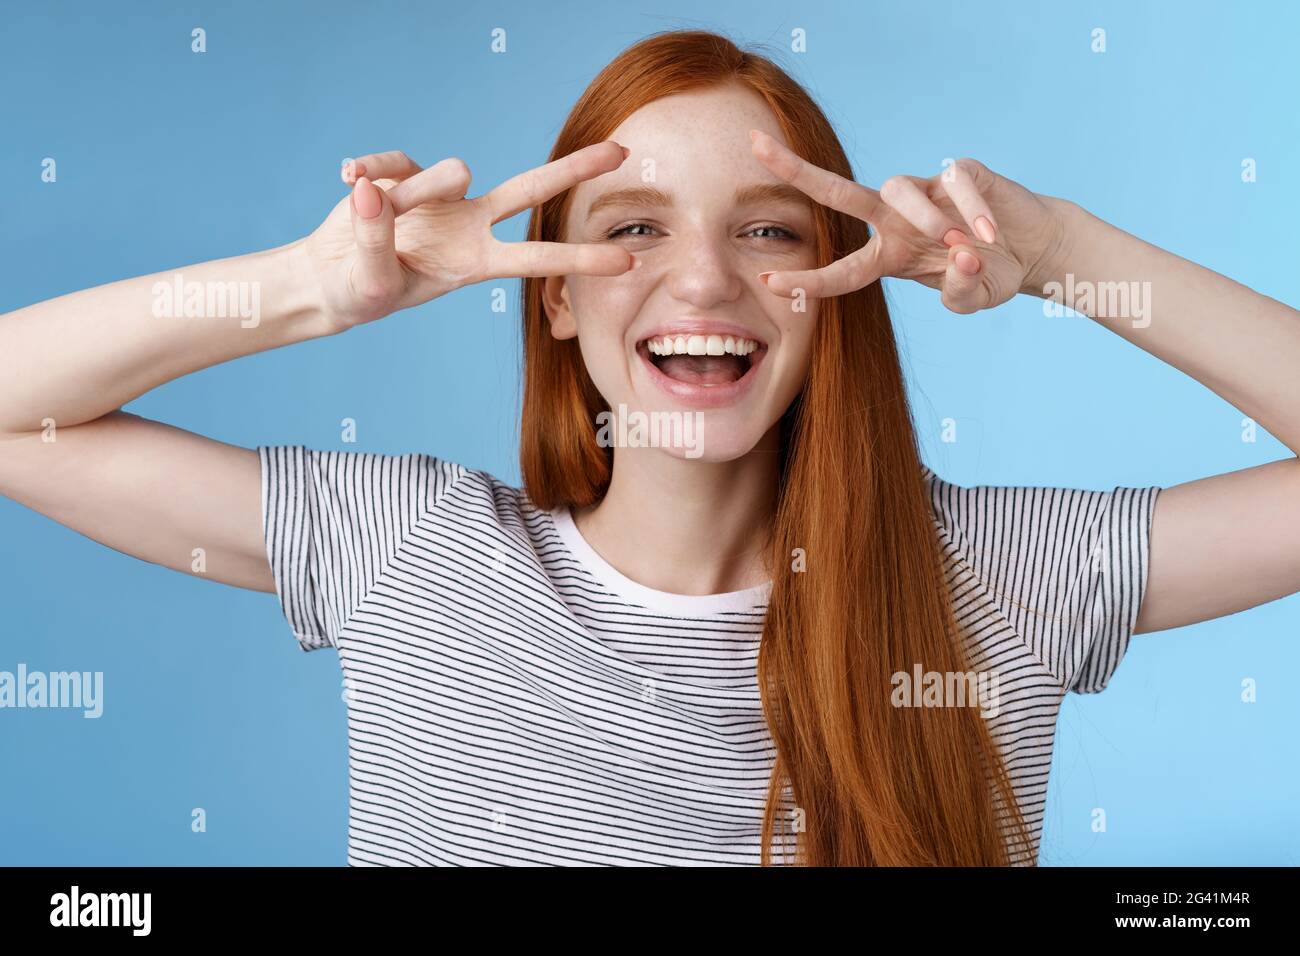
664 602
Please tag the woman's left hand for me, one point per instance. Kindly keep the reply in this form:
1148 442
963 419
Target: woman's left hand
976 236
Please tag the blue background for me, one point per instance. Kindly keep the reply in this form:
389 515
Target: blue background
167 157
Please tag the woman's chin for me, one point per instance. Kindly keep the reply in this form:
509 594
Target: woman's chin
718 435
713 453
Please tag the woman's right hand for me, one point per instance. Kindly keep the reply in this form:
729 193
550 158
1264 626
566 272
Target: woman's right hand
406 235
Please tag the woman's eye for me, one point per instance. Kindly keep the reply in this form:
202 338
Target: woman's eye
627 230
775 232
783 233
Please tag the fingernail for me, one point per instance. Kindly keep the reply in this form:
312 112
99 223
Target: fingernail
984 229
954 237
367 200
626 152
753 135
762 276
967 263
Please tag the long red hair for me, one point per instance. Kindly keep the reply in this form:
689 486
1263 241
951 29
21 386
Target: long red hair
876 784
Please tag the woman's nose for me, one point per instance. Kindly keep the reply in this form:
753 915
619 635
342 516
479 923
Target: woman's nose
702 272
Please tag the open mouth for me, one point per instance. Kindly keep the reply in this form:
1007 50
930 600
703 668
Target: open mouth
703 360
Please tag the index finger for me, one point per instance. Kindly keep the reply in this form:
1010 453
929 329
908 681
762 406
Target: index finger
540 184
517 260
820 184
859 268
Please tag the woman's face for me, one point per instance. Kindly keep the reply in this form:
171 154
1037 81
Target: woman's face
692 330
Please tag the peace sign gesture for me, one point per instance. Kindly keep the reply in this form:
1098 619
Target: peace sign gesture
407 235
976 236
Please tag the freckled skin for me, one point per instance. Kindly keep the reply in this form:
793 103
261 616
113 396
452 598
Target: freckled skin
700 259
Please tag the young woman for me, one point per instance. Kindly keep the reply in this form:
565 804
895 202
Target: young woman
655 653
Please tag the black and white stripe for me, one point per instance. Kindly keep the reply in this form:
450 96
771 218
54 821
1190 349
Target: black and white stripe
514 700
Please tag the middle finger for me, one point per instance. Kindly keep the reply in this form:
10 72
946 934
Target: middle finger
820 184
538 185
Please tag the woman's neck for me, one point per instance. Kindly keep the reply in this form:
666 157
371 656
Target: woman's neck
687 526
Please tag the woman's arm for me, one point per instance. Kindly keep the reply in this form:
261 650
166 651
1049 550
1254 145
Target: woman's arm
159 493
80 356
189 503
1243 346
1219 544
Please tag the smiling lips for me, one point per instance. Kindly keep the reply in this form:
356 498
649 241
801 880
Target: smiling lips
702 368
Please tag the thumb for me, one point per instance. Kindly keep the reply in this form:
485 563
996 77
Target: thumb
963 281
376 275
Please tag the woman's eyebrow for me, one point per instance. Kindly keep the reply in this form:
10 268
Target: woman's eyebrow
773 193
631 196
653 196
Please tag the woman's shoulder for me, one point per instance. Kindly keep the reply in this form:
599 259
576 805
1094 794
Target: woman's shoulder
1066 566
335 523
984 513
415 480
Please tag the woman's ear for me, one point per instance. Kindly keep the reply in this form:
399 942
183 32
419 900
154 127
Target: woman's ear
555 299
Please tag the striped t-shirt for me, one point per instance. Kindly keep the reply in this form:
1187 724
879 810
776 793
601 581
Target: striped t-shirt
513 699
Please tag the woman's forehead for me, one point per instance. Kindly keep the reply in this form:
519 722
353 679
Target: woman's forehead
710 116
689 142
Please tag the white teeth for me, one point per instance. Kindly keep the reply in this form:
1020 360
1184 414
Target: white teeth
700 345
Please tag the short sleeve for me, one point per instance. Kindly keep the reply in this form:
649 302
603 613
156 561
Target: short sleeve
1066 567
333 521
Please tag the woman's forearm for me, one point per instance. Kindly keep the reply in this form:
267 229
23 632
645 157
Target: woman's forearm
1242 345
80 356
